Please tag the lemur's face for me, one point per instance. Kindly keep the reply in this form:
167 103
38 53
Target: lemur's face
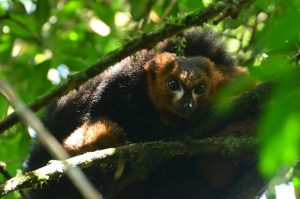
180 85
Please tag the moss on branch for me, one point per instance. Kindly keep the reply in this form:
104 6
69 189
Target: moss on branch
146 156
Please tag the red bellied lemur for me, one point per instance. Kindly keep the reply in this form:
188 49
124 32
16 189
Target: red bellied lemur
147 96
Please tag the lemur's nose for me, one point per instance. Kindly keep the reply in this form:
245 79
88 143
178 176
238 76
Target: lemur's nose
187 108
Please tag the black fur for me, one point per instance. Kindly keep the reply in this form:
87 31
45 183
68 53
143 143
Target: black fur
203 43
120 94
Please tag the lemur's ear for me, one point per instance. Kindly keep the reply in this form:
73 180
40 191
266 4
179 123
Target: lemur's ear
163 61
151 68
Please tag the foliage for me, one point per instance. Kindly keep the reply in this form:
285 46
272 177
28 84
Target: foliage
43 41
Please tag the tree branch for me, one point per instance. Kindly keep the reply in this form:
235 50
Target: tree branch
144 41
135 154
7 176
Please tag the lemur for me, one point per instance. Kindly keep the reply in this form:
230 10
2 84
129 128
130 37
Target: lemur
147 96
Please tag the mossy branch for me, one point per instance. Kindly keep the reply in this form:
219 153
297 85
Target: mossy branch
144 41
134 154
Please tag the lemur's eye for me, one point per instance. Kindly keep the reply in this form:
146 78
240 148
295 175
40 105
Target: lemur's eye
174 84
200 89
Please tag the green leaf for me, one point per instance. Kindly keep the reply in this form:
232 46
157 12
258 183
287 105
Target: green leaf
6 44
3 107
190 5
106 15
72 6
263 4
280 132
42 12
75 64
14 148
138 9
280 33
18 29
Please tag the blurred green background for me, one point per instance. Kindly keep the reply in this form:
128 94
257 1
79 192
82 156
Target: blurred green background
43 41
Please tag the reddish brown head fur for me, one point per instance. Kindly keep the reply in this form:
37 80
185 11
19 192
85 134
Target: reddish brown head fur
183 85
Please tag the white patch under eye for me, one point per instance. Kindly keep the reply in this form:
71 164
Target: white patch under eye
195 95
178 94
